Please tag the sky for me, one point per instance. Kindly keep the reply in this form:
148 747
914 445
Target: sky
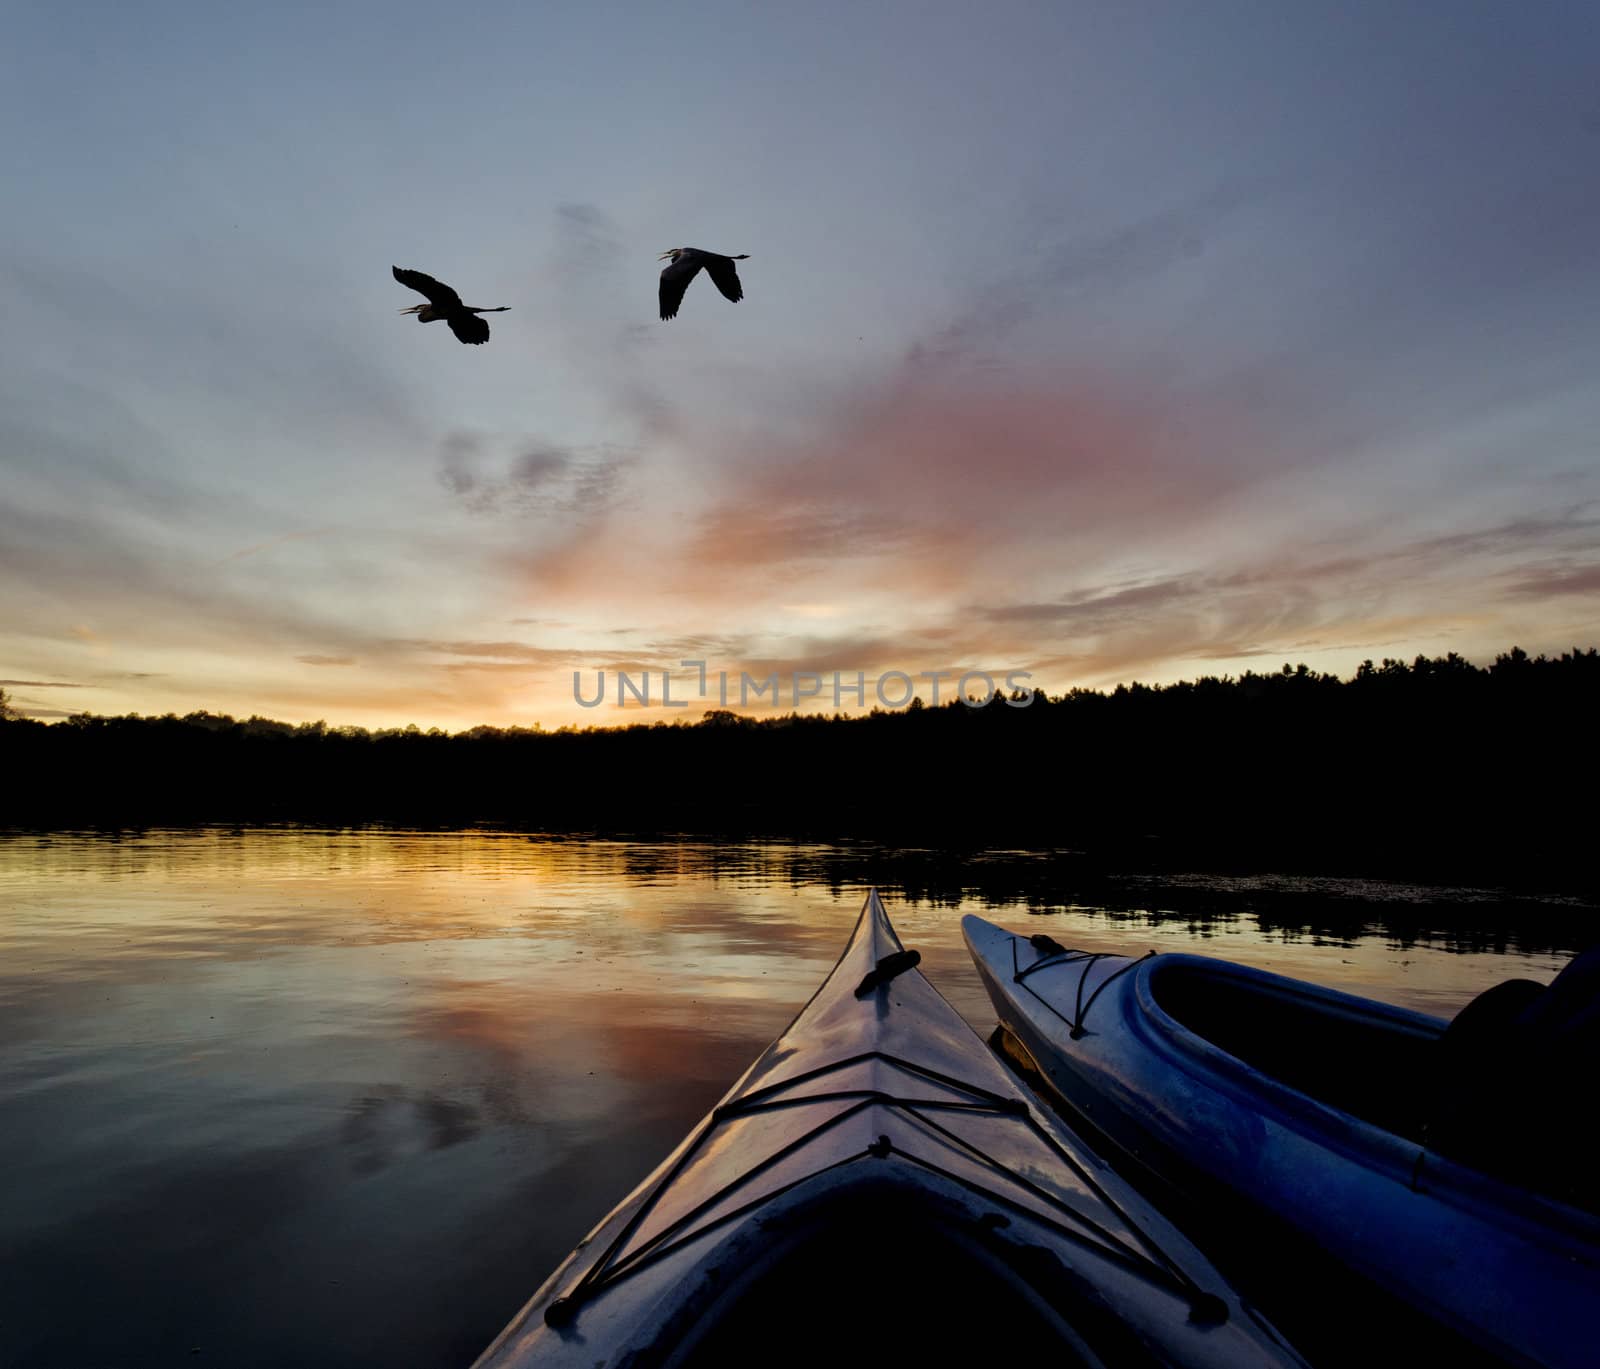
1097 341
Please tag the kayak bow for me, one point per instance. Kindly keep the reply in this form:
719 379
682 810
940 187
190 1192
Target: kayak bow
877 1184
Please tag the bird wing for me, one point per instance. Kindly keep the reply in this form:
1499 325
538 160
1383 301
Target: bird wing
469 327
440 296
675 280
726 277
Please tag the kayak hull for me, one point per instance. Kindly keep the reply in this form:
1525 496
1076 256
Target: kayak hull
877 1157
1504 1268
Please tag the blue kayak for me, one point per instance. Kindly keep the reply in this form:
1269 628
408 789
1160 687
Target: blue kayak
1382 1137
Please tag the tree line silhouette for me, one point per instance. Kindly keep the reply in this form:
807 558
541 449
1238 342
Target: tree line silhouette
1435 765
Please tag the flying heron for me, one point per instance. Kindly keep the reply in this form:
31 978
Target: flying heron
443 302
685 266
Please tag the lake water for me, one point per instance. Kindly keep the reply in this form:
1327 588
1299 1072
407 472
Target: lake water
281 1096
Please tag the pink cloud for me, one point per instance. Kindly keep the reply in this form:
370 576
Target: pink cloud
936 482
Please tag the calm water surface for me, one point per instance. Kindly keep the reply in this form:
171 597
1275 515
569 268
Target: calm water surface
340 1098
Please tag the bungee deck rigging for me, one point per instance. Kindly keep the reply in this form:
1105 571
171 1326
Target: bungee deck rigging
1147 1259
1056 955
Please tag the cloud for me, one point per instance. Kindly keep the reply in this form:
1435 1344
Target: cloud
537 477
601 306
47 684
1410 595
1543 584
500 651
172 632
1089 609
698 645
1482 549
457 462
274 542
749 535
1276 601
179 332
1092 263
930 481
587 239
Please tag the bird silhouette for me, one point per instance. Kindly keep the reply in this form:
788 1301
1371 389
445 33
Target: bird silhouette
685 265
444 303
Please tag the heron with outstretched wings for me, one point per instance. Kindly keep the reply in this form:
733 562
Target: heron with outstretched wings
685 263
444 303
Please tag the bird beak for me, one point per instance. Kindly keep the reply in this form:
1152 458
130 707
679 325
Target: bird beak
664 256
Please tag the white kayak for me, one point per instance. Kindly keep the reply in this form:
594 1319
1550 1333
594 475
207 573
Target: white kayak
878 1187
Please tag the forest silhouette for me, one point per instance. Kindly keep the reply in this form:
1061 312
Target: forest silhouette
1436 766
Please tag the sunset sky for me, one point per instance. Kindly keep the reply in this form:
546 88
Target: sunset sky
1106 341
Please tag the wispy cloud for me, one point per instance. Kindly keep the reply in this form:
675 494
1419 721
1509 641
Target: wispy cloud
1044 277
500 651
47 684
1542 584
1091 609
604 311
536 477
587 240
271 542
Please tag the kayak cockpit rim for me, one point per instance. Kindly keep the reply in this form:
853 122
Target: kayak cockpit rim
1154 1017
